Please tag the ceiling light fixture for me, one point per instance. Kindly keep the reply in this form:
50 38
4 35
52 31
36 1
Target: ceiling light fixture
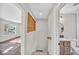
41 13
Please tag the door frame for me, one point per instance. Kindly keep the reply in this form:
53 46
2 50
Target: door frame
55 12
58 8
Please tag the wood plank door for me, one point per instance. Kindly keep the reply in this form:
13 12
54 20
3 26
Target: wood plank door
31 23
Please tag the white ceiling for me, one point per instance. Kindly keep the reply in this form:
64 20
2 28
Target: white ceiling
69 8
39 10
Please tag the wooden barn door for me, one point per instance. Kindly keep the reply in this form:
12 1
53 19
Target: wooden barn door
31 23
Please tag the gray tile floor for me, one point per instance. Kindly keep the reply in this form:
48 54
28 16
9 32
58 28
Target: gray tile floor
11 48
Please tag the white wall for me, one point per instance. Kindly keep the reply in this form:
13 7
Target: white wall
30 43
50 33
53 30
78 28
3 35
69 26
69 23
37 40
24 32
9 11
53 25
41 34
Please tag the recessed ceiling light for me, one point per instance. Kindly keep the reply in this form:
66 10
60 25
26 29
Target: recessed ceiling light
41 13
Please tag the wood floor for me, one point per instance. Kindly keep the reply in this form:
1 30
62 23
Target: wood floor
40 52
12 47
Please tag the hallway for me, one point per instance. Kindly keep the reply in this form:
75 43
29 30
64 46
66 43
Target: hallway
45 29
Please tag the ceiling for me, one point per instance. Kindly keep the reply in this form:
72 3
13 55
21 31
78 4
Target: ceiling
70 8
39 10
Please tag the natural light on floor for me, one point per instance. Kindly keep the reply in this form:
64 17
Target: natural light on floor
5 51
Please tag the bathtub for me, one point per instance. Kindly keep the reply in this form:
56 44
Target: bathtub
75 50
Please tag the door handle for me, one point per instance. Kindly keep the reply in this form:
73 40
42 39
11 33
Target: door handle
58 43
49 38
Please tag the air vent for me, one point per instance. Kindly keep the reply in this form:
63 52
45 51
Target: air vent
75 4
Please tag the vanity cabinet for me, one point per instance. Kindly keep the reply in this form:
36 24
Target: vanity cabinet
65 48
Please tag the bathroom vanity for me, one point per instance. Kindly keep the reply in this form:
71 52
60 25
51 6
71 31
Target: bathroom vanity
65 47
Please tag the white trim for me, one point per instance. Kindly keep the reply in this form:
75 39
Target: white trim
54 15
23 32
